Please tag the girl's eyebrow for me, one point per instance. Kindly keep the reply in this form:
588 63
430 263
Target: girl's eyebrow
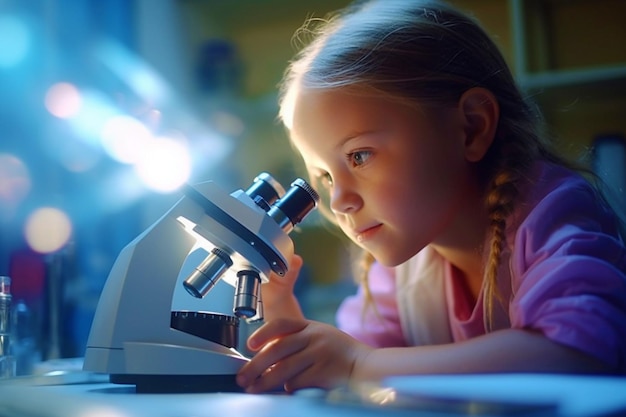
356 135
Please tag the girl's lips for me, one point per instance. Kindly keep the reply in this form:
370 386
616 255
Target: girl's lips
367 233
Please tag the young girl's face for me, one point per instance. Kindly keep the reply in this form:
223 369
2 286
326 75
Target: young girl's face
396 175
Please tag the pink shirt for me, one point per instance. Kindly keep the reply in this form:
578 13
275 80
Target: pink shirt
563 270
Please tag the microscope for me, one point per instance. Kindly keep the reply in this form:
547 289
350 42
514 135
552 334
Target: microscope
139 339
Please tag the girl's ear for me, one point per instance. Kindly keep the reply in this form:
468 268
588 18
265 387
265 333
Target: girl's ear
480 112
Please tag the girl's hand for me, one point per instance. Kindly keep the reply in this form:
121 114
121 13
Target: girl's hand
277 294
297 353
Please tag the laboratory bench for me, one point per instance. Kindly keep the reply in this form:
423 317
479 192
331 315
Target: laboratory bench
82 394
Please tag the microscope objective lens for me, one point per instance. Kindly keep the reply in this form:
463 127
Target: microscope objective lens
208 273
247 293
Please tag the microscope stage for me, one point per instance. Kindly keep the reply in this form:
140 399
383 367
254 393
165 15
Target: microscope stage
214 327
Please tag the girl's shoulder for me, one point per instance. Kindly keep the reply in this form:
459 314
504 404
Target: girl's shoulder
563 214
554 195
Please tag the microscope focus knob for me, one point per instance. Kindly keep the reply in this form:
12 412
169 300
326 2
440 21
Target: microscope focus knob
214 327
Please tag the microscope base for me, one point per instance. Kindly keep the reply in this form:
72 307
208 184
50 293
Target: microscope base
171 384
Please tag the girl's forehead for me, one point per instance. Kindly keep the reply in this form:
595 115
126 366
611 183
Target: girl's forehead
333 104
340 110
323 114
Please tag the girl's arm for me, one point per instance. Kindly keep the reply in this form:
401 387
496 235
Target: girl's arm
297 354
510 350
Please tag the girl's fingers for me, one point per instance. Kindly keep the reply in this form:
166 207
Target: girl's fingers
297 354
276 375
295 266
273 330
274 351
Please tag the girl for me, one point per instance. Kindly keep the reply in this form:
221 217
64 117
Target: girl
487 252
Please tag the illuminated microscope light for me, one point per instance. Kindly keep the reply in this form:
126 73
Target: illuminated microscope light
287 209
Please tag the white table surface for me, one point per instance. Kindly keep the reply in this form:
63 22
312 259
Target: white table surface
86 395
19 399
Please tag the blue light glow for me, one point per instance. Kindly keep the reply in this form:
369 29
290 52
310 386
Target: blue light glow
15 41
96 110
139 76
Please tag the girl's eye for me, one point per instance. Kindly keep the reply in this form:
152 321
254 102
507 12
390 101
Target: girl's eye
359 158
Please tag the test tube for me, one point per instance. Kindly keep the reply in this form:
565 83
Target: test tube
7 361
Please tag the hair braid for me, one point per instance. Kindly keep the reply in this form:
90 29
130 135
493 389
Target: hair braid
500 204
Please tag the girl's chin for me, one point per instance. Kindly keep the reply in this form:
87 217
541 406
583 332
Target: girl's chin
387 257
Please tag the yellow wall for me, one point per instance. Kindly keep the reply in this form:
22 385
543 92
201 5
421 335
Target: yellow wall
261 29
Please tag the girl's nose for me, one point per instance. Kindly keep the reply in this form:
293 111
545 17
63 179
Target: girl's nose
344 199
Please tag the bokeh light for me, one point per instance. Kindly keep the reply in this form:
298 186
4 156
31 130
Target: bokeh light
63 100
14 179
166 165
125 139
15 41
47 230
15 184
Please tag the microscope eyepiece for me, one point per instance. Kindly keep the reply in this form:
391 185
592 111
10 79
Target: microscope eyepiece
265 188
297 202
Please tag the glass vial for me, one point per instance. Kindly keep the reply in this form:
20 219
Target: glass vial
7 361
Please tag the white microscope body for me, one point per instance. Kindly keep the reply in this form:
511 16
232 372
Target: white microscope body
137 338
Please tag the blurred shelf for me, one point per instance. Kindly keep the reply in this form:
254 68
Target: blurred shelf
570 84
569 58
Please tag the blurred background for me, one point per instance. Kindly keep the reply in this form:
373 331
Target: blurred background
107 107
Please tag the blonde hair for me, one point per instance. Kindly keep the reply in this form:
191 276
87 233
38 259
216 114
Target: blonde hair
427 52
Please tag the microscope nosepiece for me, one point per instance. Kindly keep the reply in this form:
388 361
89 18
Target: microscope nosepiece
208 273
